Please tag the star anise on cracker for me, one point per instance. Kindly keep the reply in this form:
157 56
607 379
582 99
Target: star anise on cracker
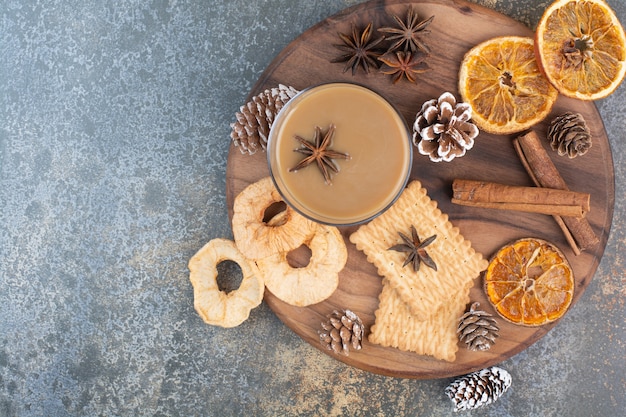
359 50
403 64
317 151
408 34
416 250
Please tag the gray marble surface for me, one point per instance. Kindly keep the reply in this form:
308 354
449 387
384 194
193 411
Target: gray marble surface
114 124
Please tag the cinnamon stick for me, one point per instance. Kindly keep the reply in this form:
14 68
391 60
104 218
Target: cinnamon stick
527 199
543 172
558 219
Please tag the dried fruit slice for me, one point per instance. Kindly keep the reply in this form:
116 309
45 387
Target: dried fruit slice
501 80
256 238
581 47
530 282
215 306
314 282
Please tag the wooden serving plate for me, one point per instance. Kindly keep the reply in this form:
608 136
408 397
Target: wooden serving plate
457 26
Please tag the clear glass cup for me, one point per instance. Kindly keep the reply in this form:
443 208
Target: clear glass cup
367 127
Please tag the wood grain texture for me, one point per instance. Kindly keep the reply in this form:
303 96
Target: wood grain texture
457 27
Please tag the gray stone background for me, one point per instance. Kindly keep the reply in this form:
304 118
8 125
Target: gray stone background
114 124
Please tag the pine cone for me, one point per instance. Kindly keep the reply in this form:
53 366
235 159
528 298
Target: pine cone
255 118
477 329
569 135
478 388
343 331
442 129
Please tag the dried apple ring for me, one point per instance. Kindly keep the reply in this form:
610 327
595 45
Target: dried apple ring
215 306
314 282
258 239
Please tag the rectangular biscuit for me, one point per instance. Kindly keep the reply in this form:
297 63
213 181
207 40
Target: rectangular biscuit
426 290
395 326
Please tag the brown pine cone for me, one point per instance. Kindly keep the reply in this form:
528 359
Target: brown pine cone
477 329
569 135
442 128
254 119
341 332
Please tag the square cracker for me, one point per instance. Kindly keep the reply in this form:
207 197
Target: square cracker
426 290
395 326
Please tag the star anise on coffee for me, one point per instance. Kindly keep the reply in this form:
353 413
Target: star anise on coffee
404 64
416 250
408 33
360 50
317 151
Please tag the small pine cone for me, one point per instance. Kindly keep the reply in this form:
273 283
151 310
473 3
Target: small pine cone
478 388
477 329
569 135
442 128
254 119
341 332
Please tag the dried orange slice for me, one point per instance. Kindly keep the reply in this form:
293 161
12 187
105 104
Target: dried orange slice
581 47
530 282
501 80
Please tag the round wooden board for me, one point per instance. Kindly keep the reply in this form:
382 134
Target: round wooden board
456 28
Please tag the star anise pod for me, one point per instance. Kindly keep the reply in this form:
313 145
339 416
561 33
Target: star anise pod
403 64
359 50
318 152
416 250
577 52
408 34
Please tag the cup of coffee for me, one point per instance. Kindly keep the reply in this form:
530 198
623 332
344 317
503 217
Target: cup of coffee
339 153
